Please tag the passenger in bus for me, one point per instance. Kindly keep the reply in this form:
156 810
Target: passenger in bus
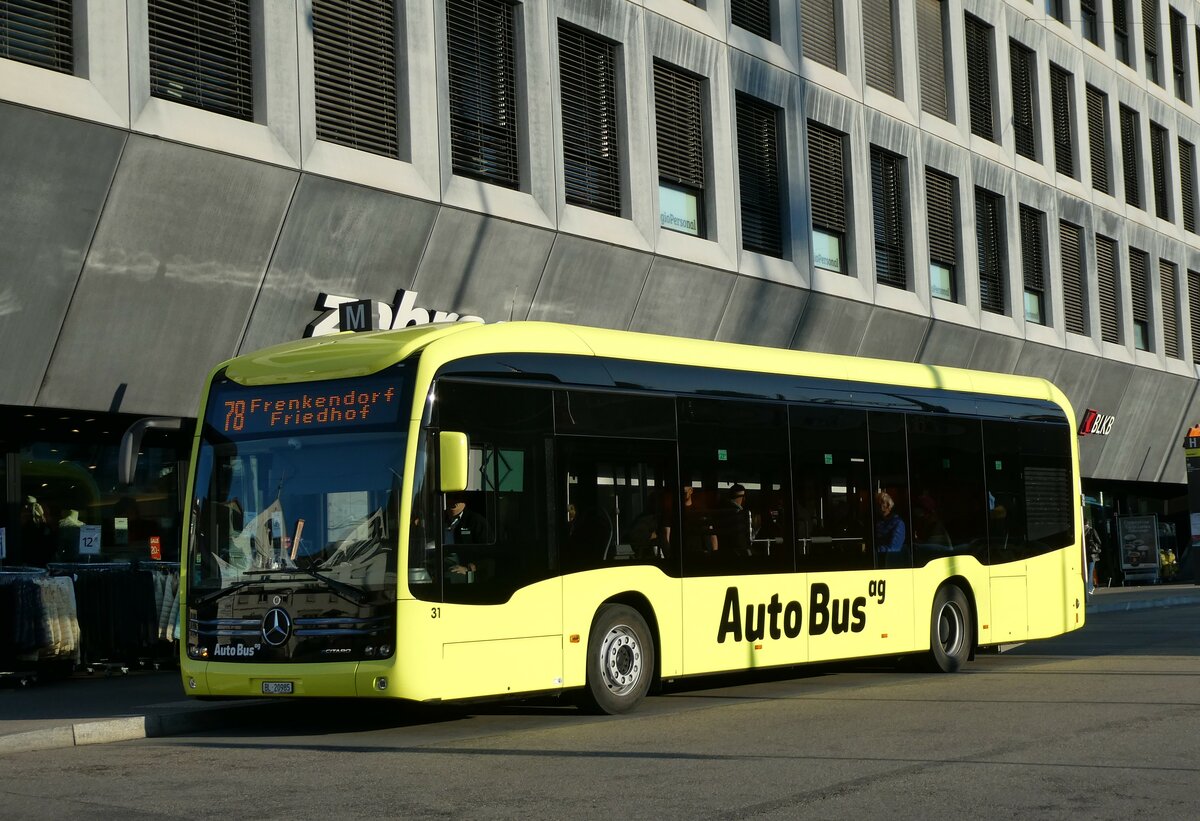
889 527
734 524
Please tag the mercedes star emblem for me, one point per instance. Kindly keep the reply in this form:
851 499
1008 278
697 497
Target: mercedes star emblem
276 626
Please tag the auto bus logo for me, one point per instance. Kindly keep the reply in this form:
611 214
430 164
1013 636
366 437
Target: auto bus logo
276 626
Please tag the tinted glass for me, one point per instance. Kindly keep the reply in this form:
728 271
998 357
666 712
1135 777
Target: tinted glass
948 511
614 414
831 472
735 500
889 482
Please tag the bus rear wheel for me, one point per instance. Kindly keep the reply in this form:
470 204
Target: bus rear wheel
620 660
950 630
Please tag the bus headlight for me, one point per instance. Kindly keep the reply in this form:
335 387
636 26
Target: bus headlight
385 650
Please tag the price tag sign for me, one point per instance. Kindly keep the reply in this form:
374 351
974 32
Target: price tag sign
155 548
89 540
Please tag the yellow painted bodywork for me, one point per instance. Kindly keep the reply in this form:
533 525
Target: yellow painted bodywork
537 641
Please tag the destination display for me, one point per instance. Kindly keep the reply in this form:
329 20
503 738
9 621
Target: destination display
237 411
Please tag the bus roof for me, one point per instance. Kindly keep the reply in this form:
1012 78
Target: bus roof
358 354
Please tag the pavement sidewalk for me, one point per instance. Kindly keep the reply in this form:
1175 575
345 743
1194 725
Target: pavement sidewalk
82 709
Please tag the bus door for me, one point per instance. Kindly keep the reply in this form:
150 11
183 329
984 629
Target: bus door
616 513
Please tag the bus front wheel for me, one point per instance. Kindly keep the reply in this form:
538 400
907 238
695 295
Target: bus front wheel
949 630
620 660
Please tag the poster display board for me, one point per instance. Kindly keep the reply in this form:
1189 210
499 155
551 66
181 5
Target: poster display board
1137 539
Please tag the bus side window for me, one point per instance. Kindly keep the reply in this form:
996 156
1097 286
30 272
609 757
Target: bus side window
946 465
832 481
889 489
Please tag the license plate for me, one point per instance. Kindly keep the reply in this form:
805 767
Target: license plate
277 688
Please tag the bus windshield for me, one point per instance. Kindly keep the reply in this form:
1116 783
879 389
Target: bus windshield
300 484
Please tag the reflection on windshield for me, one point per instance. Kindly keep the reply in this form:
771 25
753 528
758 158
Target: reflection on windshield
321 507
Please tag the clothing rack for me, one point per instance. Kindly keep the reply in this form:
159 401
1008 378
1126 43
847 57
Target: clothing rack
39 628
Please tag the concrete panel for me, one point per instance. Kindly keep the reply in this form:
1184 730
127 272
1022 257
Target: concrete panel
167 287
894 335
1091 382
762 313
682 300
479 265
1039 360
1147 423
832 325
994 352
54 174
338 239
1175 469
948 344
587 283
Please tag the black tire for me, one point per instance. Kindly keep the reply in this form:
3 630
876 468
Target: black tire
950 630
620 661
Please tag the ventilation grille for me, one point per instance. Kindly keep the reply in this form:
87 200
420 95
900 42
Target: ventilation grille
38 32
1021 61
677 114
931 57
590 133
200 55
988 229
826 175
818 31
1097 103
354 57
887 195
759 176
483 90
879 49
1060 115
1106 269
979 80
939 201
1071 239
1131 157
752 15
1168 276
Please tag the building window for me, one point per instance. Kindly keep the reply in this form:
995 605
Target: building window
200 55
1178 56
38 32
1194 312
1120 15
759 175
481 60
1131 156
1187 183
752 15
818 31
979 77
931 57
678 111
1033 264
827 181
1158 168
887 206
354 63
943 235
1057 9
1071 241
1060 116
1139 296
1097 114
1150 39
1021 62
989 237
1168 279
1087 12
591 138
1106 279
879 45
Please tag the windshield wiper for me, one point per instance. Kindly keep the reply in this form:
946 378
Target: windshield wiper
349 592
223 592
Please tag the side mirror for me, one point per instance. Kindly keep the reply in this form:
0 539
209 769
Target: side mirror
453 451
131 443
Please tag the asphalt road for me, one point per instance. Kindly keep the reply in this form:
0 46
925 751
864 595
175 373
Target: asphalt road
1104 723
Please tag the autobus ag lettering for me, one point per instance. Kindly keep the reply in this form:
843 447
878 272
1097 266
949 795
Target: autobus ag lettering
761 619
876 590
826 613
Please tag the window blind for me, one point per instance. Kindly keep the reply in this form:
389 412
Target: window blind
931 57
939 202
1178 59
1071 243
590 131
887 204
818 31
1021 64
1131 156
1150 39
879 50
1106 279
1158 169
200 55
680 132
1187 183
988 237
826 174
1060 116
1194 312
38 32
979 80
752 15
759 176
1097 108
1168 279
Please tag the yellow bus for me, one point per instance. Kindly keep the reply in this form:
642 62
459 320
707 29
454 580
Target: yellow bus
470 511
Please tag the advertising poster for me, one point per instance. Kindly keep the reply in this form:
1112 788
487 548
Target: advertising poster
1138 542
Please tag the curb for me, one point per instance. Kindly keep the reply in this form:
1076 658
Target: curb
1143 604
128 728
